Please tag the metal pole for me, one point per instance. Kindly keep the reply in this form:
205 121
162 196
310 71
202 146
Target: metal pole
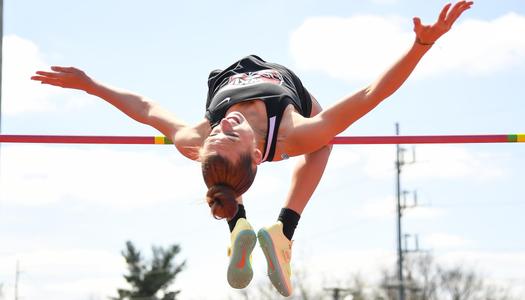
339 293
1 67
17 278
1 55
401 287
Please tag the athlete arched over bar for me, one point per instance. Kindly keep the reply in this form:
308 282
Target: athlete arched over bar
258 111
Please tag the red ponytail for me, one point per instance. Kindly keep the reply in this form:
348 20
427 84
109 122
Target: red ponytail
221 199
226 182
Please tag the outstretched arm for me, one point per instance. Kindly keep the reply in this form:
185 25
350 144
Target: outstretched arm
135 106
313 133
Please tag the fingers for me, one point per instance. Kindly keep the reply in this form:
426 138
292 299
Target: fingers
64 69
65 77
456 11
47 80
444 11
449 14
53 78
59 73
417 21
49 74
417 25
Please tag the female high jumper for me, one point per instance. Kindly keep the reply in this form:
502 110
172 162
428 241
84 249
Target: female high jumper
258 111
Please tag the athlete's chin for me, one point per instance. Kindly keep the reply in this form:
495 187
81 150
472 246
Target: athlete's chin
236 117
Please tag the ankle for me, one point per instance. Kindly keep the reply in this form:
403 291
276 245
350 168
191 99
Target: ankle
241 213
290 219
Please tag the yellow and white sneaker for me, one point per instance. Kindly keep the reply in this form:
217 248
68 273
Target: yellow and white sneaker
278 252
242 243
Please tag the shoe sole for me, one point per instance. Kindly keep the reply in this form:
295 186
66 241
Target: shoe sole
240 270
275 271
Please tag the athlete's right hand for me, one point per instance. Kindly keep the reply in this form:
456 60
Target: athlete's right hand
66 77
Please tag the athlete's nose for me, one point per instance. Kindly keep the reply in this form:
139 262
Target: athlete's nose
226 125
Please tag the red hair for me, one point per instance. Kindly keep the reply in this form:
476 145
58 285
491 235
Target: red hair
226 181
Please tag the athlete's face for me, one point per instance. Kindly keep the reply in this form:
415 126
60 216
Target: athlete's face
233 137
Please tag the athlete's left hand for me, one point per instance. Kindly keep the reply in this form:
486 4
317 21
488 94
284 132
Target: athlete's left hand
428 34
65 77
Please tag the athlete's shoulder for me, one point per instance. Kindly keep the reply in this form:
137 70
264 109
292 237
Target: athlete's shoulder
190 139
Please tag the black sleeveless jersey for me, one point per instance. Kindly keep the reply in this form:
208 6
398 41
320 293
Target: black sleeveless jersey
253 78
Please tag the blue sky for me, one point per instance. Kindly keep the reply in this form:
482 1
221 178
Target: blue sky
66 211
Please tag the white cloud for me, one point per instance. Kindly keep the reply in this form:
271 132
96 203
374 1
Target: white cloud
38 175
337 264
363 46
378 161
348 48
20 94
48 272
452 162
479 47
445 240
421 212
56 261
96 286
342 159
434 162
506 265
386 209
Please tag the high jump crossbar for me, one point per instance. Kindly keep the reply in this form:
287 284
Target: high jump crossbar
150 140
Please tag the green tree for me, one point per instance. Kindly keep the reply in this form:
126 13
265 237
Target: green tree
150 280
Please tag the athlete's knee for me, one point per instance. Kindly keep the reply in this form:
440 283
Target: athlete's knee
328 148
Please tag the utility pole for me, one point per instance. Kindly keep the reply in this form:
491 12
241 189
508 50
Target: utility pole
1 59
399 162
339 293
17 278
401 205
1 55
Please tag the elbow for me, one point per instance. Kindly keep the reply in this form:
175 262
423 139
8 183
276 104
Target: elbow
376 93
371 95
144 111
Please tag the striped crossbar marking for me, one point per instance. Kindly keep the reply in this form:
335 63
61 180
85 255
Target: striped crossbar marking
162 140
421 139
